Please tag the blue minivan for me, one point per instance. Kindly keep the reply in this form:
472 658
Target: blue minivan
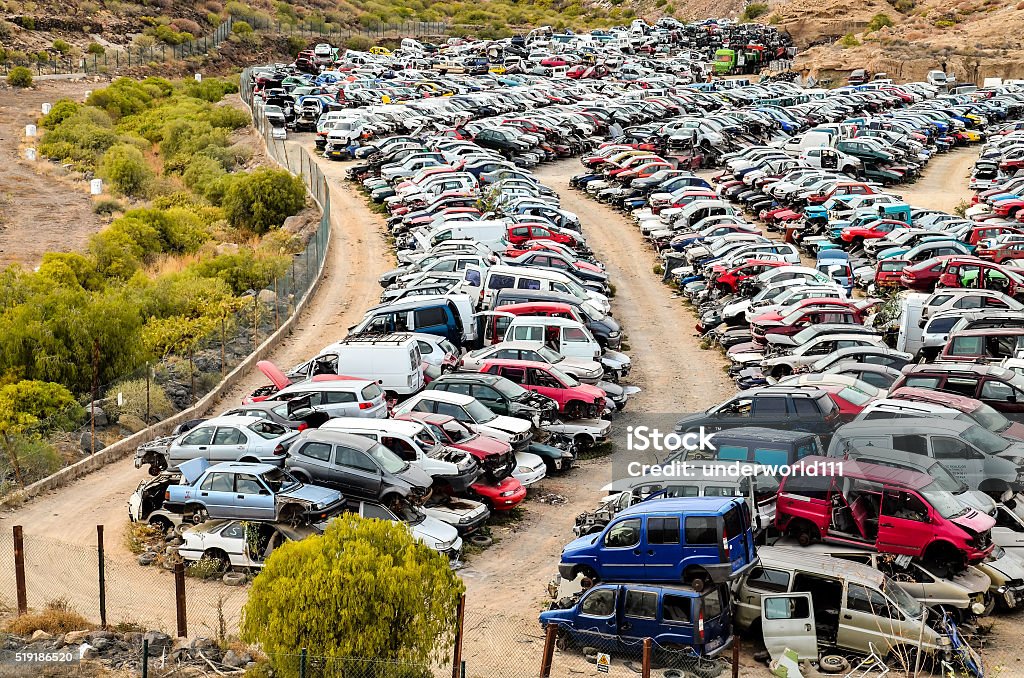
615 618
692 540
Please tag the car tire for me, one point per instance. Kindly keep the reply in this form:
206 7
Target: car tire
480 540
198 514
234 578
833 663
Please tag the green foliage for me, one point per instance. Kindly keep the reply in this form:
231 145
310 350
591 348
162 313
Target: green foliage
80 138
904 6
107 206
241 28
95 48
136 398
878 21
19 76
126 169
296 44
29 457
379 594
62 46
61 110
753 11
243 270
37 406
848 40
123 97
359 43
945 23
263 199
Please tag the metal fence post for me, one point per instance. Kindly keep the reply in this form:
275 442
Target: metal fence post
103 576
550 631
302 664
645 662
19 570
179 599
145 658
457 650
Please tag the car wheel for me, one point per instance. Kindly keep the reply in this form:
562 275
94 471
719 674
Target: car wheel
780 371
161 523
291 515
218 556
480 540
833 663
198 513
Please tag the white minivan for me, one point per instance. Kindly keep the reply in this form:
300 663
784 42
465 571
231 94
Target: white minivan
501 277
392 360
569 337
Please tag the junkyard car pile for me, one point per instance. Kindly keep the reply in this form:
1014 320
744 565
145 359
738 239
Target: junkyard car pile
921 529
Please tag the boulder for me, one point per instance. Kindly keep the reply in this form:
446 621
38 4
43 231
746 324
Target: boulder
267 297
102 644
97 413
87 651
236 660
75 637
147 558
96 635
86 441
131 423
40 635
158 642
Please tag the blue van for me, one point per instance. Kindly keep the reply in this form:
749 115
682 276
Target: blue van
615 618
448 316
836 265
692 540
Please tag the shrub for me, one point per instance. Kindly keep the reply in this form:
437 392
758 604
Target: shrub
57 618
95 48
945 23
134 401
904 6
204 568
187 26
848 40
61 110
107 206
19 77
62 46
296 44
359 43
878 21
125 168
753 11
36 459
241 28
263 199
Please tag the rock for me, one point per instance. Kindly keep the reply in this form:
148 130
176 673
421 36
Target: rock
293 224
75 637
97 413
86 442
158 642
236 660
147 558
133 638
96 635
267 297
234 578
40 635
102 644
131 423
229 247
87 651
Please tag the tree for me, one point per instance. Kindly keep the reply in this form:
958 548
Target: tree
364 589
26 409
19 77
125 168
263 199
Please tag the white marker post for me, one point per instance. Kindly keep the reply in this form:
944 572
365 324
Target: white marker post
30 130
30 154
96 186
46 108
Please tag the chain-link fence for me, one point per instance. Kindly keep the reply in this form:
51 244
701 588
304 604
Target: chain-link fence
374 29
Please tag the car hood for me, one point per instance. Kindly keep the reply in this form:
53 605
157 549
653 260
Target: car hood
274 374
975 522
1014 451
432 532
510 424
192 469
415 476
973 580
579 544
314 494
1014 432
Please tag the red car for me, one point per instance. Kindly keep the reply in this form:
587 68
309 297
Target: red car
643 171
496 488
842 188
729 280
888 272
519 234
973 272
870 231
575 399
923 277
881 507
807 312
1002 252
983 232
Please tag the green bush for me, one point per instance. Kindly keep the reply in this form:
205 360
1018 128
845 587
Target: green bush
878 21
848 40
242 270
19 77
359 43
753 11
125 168
241 28
62 46
36 459
95 48
81 138
107 206
263 199
61 110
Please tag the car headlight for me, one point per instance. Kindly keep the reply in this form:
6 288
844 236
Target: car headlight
507 493
524 469
445 545
465 520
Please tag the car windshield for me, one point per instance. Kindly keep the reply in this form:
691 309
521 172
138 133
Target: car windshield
448 347
408 513
279 480
509 389
267 430
854 396
944 480
550 355
386 459
907 603
985 440
427 437
990 419
479 412
943 501
569 380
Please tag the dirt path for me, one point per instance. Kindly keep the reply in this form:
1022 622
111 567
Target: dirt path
40 210
357 254
944 183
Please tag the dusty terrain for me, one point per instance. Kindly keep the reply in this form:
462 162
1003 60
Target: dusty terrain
41 209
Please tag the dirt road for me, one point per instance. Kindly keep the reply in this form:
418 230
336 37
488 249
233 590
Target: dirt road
944 183
40 210
357 254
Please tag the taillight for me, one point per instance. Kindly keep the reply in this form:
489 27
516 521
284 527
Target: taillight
365 406
700 625
725 542
167 495
279 449
303 426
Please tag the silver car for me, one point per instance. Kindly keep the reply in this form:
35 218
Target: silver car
587 371
233 438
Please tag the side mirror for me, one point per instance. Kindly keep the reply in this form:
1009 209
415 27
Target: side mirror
264 493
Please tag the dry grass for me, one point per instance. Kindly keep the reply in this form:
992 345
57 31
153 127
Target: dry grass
138 536
56 618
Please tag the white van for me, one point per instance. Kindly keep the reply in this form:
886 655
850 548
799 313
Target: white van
502 277
415 444
810 139
393 361
569 337
490 233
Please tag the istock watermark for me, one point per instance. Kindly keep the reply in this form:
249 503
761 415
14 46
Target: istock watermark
648 438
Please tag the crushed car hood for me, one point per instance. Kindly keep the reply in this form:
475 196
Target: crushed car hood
274 374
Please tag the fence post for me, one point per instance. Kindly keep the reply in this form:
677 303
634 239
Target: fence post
645 662
103 576
302 664
735 655
457 652
179 599
550 631
19 570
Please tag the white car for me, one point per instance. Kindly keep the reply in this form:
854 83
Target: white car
807 354
586 370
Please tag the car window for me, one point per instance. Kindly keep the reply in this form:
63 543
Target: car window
967 386
516 375
201 436
319 451
623 534
996 390
346 456
767 579
454 387
529 284
675 608
599 603
217 482
713 603
786 608
451 410
377 511
701 530
268 430
863 599
904 505
641 604
923 382
500 282
663 530
769 406
574 334
428 317
233 531
229 435
338 397
246 484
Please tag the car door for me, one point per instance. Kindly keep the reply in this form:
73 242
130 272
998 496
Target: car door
217 494
253 499
1009 530
229 444
622 556
540 381
597 619
489 397
966 463
903 523
662 549
639 616
356 472
867 619
315 458
340 403
788 623
192 445
1001 396
769 410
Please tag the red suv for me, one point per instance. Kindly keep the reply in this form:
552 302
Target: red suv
729 279
980 274
923 277
575 399
892 510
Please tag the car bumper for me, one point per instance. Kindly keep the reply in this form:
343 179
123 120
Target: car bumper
460 483
530 478
471 527
565 570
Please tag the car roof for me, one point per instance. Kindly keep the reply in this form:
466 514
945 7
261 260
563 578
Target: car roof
335 437
990 332
476 377
800 559
761 434
501 362
399 426
927 395
240 467
785 389
682 505
875 472
953 368
904 425
445 396
236 419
